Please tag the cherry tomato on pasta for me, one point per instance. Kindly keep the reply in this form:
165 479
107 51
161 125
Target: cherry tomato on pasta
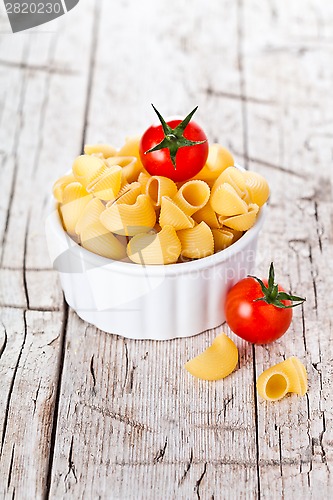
176 149
259 311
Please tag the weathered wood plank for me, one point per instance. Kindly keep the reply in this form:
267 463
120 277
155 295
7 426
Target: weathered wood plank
30 357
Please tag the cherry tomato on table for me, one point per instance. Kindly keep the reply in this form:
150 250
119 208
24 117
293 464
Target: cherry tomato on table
176 149
259 311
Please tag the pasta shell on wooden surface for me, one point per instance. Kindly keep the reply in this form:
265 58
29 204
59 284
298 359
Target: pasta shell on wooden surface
257 187
216 362
128 220
226 201
243 222
107 186
86 168
60 184
106 150
219 158
289 376
89 215
222 239
172 215
75 200
208 215
192 196
158 186
131 167
234 177
97 239
152 249
197 242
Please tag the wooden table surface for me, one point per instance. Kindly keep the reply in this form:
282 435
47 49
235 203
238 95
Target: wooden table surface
85 414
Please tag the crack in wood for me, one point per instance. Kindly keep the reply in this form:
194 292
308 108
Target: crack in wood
160 454
3 347
24 272
38 67
198 482
57 402
92 66
182 479
15 149
118 416
12 382
92 371
280 451
256 420
36 397
237 97
71 466
11 467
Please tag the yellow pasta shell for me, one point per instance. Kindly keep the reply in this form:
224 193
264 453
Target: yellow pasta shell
106 150
222 239
192 196
243 222
89 215
75 200
226 201
128 220
289 376
131 147
59 186
197 242
234 177
208 215
159 248
257 187
97 239
172 215
86 168
107 186
216 362
130 167
219 158
128 194
143 179
158 186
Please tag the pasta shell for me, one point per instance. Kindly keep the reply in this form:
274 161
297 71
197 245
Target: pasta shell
234 177
97 239
107 186
159 248
207 215
128 220
172 215
222 239
219 158
130 167
106 150
289 376
128 194
192 196
216 362
158 186
226 201
86 168
75 200
131 148
197 242
89 215
143 179
257 187
59 186
243 222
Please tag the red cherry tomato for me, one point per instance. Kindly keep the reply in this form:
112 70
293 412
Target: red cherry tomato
189 160
259 321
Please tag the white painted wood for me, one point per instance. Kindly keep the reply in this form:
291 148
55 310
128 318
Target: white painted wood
121 419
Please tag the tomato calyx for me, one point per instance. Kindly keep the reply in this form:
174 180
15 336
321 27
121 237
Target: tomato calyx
273 296
173 137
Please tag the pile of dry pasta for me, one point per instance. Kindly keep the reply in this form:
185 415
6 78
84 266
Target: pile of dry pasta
111 206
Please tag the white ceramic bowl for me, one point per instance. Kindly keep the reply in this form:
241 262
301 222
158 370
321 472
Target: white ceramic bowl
149 302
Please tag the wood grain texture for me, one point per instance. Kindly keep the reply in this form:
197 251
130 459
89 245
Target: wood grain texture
85 414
